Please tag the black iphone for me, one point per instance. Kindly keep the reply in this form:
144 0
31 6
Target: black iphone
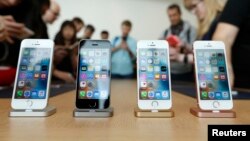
93 75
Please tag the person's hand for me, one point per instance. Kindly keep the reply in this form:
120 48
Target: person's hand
124 45
8 3
175 54
59 55
68 78
9 28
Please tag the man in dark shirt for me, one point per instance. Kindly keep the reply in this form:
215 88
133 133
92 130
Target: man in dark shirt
234 30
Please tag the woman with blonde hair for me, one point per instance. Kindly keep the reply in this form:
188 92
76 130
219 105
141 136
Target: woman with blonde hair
207 13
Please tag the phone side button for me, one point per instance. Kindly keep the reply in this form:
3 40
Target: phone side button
154 104
216 104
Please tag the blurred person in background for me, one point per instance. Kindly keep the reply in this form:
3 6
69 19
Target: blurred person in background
64 53
233 29
180 35
104 35
88 31
79 23
51 15
123 53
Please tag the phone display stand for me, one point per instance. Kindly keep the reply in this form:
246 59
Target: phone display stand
212 114
153 113
48 111
93 113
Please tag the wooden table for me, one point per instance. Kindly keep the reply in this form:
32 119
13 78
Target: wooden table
123 126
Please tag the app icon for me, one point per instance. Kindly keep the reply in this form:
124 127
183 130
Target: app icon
83 84
156 61
206 54
84 68
34 94
158 95
202 69
164 94
143 69
214 62
156 68
37 68
91 60
26 52
32 60
210 85
104 53
150 61
28 83
149 53
143 84
211 95
84 61
156 53
143 61
23 67
104 68
202 76
30 68
222 77
104 94
157 76
143 53
82 94
208 69
209 76
220 54
216 77
222 69
91 53
204 94
215 69
200 54
41 94
203 85
162 53
97 76
22 75
83 76
90 68
97 68
19 93
200 62
36 75
208 62
150 68
89 94
151 94
97 53
20 84
225 95
150 76
104 76
96 94
26 94
144 94
33 53
44 68
150 84
84 52
43 75
90 76
143 76
164 77
25 60
217 95
163 68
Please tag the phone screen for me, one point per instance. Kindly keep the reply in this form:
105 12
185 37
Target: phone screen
153 74
94 73
33 73
212 74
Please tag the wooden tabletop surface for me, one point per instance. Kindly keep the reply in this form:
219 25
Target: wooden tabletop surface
123 126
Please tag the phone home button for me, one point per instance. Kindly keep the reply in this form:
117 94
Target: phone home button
29 103
154 104
92 105
216 104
